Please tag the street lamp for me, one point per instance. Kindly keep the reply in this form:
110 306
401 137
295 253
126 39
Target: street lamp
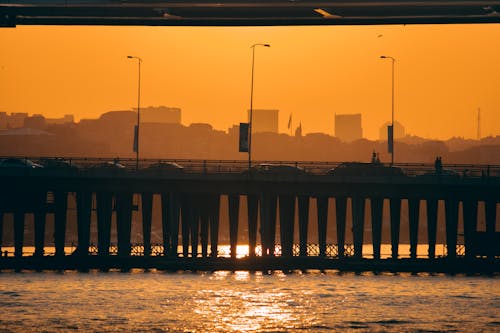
251 106
391 133
136 132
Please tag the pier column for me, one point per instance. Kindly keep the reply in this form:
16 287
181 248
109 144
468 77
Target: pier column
124 222
40 219
234 209
268 222
491 208
377 205
165 223
413 211
253 206
195 224
83 212
60 218
451 207
395 207
104 213
340 212
18 233
214 224
322 207
470 226
432 212
358 225
174 205
187 211
147 219
287 217
303 223
204 224
1 230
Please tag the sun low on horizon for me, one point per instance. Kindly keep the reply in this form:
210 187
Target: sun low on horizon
443 74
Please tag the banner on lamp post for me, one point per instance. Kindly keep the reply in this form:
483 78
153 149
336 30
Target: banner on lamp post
244 137
390 139
136 140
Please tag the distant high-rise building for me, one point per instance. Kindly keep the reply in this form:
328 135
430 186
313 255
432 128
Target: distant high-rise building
399 131
348 127
264 120
16 119
161 114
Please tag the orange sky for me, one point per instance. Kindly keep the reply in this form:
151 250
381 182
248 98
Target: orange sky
443 74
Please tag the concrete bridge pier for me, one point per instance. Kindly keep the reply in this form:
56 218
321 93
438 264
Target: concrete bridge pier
432 211
147 219
322 207
451 210
1 230
104 202
395 208
173 221
413 212
60 218
287 221
234 210
303 223
268 222
83 214
491 208
124 222
340 214
18 232
470 225
253 211
165 223
195 224
40 213
204 225
186 213
376 205
358 224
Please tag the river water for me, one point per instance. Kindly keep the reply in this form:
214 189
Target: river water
315 301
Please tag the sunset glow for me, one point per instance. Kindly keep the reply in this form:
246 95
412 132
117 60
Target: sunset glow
443 74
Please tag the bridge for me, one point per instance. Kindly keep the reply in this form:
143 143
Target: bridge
277 196
246 12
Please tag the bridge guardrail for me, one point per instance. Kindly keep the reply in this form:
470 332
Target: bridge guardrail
240 166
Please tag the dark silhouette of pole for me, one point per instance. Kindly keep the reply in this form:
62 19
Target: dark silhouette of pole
392 122
139 61
251 107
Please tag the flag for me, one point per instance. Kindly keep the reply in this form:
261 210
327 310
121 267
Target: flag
243 138
290 121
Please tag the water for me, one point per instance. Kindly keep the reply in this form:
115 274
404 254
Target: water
247 302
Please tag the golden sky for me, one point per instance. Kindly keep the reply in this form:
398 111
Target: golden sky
443 74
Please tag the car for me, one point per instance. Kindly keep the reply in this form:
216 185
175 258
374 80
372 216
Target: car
269 168
359 169
19 163
163 167
57 163
109 165
443 173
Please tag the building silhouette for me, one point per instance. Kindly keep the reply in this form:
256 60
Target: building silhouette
160 114
399 131
348 127
264 120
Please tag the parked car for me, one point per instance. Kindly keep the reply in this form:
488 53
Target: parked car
359 169
57 163
19 163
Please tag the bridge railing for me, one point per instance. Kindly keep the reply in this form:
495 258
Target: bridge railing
200 166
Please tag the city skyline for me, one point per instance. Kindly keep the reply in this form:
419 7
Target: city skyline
443 74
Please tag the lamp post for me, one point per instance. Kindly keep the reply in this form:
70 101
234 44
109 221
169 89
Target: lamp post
136 132
251 107
393 60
